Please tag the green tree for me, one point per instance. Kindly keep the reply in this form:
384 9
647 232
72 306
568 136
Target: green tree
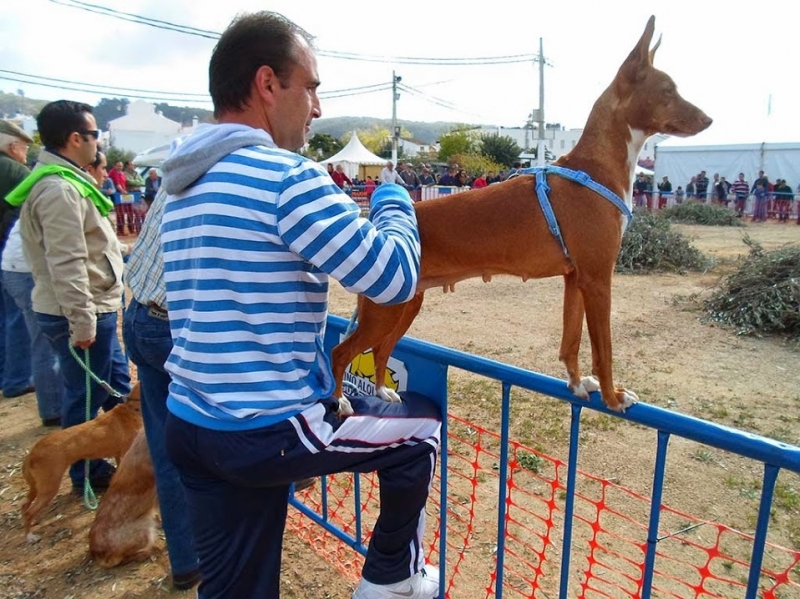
322 146
501 149
34 149
458 141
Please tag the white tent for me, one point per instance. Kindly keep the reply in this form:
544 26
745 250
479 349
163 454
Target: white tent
729 151
354 155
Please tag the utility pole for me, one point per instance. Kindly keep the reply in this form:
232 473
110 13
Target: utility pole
395 129
540 149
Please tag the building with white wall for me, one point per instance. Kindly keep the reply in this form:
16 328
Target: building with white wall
142 128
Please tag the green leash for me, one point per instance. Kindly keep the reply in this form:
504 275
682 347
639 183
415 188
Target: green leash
89 496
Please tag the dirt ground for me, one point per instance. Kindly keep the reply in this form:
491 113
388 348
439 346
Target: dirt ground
663 350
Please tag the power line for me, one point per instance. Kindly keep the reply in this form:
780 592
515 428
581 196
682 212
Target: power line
162 96
103 88
208 34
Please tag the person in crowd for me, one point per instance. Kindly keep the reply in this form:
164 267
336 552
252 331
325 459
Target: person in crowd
664 192
760 209
783 200
134 184
151 186
679 195
389 175
701 187
250 406
340 177
409 176
449 177
133 180
515 168
369 187
426 179
691 188
741 190
15 357
721 190
479 182
97 170
640 189
76 263
491 177
149 342
123 201
461 179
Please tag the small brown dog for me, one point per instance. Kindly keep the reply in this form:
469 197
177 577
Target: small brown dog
108 435
124 528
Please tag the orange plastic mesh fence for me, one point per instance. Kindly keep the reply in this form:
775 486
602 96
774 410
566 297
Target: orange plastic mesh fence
695 558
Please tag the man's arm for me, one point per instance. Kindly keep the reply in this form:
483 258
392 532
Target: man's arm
60 211
379 259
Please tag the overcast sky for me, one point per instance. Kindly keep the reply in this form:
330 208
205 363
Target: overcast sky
729 58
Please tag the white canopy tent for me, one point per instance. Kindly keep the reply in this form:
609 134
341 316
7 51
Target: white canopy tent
353 156
768 147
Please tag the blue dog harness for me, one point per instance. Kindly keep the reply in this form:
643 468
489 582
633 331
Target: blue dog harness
543 189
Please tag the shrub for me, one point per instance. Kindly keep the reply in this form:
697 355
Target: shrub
763 295
650 245
697 213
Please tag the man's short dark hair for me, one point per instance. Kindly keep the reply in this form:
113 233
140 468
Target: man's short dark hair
250 42
60 119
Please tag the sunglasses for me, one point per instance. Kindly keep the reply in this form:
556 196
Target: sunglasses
93 132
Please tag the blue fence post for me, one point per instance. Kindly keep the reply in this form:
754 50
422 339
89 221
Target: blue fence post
655 515
760 539
505 425
569 505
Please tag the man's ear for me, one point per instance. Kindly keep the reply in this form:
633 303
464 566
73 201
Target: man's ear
265 83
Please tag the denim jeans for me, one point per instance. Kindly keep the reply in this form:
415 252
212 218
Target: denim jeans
149 342
50 390
106 360
16 356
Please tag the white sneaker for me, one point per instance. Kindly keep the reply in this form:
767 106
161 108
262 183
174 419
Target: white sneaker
423 585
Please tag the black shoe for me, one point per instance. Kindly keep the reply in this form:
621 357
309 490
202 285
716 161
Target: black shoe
25 391
184 582
55 421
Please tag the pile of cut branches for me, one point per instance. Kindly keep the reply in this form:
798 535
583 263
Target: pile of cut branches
763 295
697 213
650 245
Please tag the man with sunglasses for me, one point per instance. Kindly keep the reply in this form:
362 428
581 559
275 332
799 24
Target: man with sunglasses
76 262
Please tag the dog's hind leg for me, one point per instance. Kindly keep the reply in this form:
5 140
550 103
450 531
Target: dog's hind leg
597 303
375 323
383 351
571 339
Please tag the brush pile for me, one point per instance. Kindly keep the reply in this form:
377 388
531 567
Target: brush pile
697 213
650 245
763 295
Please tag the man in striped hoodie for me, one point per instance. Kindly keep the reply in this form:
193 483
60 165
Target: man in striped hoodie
250 234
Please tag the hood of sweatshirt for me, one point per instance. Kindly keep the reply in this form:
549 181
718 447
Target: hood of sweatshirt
192 156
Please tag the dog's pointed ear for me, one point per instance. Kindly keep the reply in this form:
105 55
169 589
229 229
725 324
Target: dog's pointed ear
653 51
639 60
641 53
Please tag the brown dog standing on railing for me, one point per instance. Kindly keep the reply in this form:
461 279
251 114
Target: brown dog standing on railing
108 435
501 230
124 528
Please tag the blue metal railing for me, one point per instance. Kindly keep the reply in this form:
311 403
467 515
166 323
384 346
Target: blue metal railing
427 366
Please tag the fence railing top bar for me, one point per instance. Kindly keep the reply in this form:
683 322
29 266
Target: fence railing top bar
716 435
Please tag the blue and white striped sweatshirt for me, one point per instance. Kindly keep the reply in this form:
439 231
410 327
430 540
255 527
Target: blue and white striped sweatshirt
250 235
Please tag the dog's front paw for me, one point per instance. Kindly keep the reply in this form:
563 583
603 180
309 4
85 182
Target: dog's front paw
345 408
587 385
389 395
625 399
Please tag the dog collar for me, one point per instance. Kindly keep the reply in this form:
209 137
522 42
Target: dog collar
543 190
